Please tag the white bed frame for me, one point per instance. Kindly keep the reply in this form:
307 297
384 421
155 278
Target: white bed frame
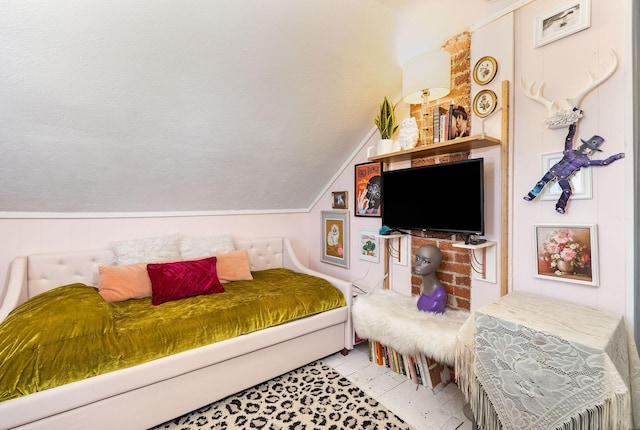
149 394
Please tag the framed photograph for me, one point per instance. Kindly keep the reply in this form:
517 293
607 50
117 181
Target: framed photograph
561 22
485 70
566 253
368 189
580 181
335 238
339 200
484 103
369 246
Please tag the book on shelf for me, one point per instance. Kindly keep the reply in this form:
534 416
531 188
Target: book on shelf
451 123
438 114
457 127
418 368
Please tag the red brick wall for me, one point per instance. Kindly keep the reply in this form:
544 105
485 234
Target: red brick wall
455 270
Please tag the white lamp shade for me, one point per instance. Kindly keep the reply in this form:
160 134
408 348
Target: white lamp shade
427 71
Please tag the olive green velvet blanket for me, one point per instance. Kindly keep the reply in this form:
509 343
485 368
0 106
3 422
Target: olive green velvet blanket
70 333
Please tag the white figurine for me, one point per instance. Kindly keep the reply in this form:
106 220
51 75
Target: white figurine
408 135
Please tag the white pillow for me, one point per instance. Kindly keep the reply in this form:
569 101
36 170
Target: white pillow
147 250
196 247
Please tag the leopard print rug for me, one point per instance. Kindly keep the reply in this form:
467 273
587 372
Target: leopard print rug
312 397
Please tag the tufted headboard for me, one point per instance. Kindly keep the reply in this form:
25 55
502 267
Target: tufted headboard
51 270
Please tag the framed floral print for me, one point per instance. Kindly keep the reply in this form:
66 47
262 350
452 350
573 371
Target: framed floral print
485 70
368 189
335 238
566 253
484 103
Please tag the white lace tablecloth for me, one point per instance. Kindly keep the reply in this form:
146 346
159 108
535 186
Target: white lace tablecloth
531 362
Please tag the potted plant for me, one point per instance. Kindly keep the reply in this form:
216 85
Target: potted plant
387 125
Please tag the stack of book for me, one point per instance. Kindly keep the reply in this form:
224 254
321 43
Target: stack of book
420 369
445 123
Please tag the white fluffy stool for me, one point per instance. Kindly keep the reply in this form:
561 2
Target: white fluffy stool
394 320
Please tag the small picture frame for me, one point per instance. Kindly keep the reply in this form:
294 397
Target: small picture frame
581 183
369 246
566 253
368 189
339 200
485 70
484 103
561 22
335 238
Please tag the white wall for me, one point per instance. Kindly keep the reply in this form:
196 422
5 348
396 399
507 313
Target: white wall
562 66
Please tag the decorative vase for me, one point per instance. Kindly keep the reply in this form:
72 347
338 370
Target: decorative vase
564 266
384 146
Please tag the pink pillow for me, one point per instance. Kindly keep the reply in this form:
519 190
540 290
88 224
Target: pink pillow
118 283
173 281
234 266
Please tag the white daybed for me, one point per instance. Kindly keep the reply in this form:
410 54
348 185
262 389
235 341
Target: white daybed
148 394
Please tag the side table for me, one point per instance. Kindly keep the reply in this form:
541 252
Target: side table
531 362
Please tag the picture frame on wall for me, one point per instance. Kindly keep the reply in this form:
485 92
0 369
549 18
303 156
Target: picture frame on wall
339 200
561 22
581 182
485 70
335 238
369 246
566 253
484 103
368 189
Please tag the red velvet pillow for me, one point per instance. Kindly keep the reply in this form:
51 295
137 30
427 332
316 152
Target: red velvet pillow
180 279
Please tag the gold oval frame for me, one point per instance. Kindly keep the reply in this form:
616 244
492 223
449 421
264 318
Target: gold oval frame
483 76
481 110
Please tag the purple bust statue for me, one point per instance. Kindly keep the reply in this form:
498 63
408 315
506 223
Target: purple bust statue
433 297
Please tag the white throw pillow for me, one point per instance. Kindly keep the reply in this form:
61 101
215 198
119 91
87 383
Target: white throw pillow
196 247
147 250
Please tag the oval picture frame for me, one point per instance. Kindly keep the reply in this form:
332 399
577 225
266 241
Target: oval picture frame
485 70
484 103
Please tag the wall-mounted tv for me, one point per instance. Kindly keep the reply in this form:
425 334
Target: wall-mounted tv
446 197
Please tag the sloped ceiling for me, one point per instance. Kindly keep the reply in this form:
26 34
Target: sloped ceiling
198 106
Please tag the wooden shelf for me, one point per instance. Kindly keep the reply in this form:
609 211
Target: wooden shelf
450 146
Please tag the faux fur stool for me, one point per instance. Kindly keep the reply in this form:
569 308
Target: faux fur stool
394 320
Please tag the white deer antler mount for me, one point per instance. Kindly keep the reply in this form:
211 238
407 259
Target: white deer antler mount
559 118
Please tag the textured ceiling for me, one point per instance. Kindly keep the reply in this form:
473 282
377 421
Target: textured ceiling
171 106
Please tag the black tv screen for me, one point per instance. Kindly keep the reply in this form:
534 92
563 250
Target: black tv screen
446 197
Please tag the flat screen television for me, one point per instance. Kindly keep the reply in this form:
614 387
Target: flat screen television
446 197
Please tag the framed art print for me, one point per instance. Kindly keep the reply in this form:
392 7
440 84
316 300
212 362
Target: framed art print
485 70
335 238
568 19
566 253
369 246
339 200
484 103
368 189
580 181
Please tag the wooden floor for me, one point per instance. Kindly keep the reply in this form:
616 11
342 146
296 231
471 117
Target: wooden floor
415 404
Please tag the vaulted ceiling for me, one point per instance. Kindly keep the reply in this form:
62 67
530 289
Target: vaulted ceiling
216 105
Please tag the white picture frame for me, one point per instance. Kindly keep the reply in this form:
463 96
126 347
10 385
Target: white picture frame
581 182
551 241
369 246
561 22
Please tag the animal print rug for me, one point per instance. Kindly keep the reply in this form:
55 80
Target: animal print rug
312 397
